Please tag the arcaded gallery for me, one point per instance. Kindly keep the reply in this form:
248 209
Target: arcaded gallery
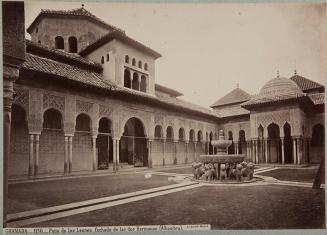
87 100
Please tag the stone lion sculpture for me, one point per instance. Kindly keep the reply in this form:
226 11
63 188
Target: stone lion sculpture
223 172
238 172
248 170
197 170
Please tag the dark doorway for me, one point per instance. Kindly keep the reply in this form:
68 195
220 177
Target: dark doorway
274 143
133 144
288 150
104 144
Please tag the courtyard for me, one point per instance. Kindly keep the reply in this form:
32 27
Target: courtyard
168 196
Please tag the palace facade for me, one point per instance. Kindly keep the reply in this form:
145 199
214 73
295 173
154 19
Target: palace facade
86 99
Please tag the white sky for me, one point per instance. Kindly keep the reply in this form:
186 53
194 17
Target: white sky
208 48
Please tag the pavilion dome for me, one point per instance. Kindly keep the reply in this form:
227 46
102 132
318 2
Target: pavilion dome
279 85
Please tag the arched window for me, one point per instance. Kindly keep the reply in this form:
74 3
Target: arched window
108 57
133 62
146 67
140 64
169 133
72 41
127 79
191 137
39 41
59 43
135 82
181 134
199 136
158 132
127 59
52 119
83 123
104 125
143 83
102 60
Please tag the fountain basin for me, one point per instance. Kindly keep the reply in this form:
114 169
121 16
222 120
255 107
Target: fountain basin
230 158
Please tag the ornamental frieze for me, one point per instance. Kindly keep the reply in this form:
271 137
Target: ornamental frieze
21 97
170 122
105 111
279 117
181 122
82 106
158 119
53 101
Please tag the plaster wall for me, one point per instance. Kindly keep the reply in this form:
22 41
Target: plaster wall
85 31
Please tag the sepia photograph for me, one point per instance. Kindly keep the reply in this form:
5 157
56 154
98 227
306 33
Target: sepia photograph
149 116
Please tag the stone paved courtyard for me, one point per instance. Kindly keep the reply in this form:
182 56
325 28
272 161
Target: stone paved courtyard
255 206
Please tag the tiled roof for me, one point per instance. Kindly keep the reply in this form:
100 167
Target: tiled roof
230 111
65 71
270 99
167 90
121 36
235 96
317 98
305 84
279 85
79 12
170 101
61 56
42 65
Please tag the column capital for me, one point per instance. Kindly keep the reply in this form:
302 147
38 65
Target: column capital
34 133
115 138
69 135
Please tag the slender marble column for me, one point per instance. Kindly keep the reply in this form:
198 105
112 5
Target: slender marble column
266 150
283 153
114 157
294 150
37 153
149 153
117 155
186 152
174 152
195 156
256 152
94 165
163 151
31 156
299 150
66 155
70 158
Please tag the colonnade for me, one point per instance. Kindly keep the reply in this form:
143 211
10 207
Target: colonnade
300 150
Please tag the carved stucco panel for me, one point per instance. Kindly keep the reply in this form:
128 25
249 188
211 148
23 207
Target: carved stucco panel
105 111
278 117
21 98
53 101
83 107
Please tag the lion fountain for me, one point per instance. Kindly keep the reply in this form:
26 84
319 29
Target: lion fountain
222 166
